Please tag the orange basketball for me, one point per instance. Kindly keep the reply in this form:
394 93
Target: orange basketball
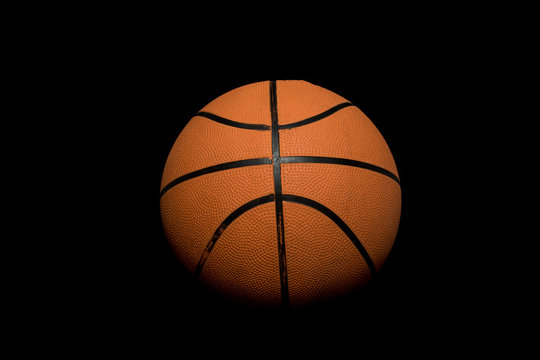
281 193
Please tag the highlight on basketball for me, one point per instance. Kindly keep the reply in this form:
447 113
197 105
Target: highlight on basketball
281 194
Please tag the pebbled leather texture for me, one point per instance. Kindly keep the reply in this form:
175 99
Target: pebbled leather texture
370 203
203 143
346 134
329 266
298 100
321 260
193 210
244 263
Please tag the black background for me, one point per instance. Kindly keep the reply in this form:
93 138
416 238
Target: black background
427 275
132 95
100 94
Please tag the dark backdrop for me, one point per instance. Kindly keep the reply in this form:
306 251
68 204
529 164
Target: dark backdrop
102 93
143 94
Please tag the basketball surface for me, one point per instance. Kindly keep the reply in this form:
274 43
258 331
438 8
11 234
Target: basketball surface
281 193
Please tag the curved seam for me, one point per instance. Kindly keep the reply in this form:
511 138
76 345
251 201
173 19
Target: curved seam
215 168
232 123
339 161
317 117
225 223
338 221
312 119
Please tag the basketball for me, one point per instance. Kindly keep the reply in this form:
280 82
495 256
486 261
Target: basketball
281 194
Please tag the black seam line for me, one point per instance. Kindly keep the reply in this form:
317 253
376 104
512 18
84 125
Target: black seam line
233 216
228 122
339 222
318 117
215 168
276 160
242 125
339 161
